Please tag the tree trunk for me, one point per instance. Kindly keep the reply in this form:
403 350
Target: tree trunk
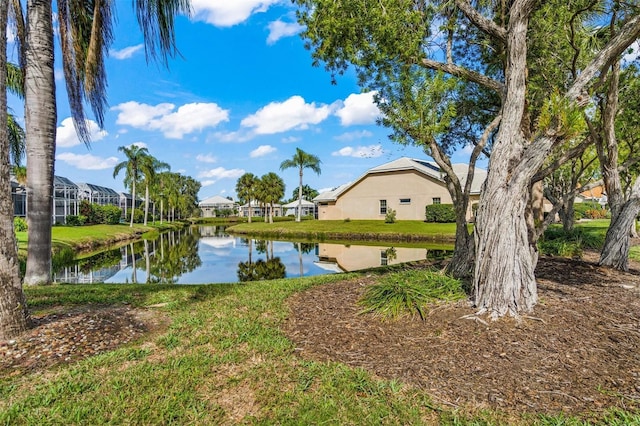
14 318
133 201
504 281
299 215
146 203
568 214
40 120
461 264
615 252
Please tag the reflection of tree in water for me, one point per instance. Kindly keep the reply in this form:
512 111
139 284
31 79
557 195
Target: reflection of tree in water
271 269
174 254
304 248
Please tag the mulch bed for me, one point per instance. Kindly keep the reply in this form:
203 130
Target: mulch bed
577 353
63 337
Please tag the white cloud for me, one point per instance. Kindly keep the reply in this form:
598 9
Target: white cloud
11 34
219 173
279 29
261 151
127 52
291 139
225 13
351 136
371 151
66 135
279 117
358 109
239 136
206 158
207 183
87 161
173 124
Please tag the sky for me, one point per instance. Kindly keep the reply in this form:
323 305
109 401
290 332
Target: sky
241 98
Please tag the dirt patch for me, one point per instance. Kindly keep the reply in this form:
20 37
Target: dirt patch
63 337
577 353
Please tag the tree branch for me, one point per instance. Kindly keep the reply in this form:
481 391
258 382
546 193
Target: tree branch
568 155
466 74
485 25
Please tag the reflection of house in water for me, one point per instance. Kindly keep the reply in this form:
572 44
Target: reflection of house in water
354 258
214 236
76 274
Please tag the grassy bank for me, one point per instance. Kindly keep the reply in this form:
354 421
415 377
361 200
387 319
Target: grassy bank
375 230
223 360
91 237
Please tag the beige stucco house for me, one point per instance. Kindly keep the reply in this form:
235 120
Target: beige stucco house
406 185
209 206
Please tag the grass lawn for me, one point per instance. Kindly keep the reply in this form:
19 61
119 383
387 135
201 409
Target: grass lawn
354 229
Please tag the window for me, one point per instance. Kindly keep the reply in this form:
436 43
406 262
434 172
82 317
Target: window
436 200
405 200
383 206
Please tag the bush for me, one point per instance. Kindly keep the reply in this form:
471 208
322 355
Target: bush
588 211
390 217
111 214
407 293
19 224
73 220
557 242
440 213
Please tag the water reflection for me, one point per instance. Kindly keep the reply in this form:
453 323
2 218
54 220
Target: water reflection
208 254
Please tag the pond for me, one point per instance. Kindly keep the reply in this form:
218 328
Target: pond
208 254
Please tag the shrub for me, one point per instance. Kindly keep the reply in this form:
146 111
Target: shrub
440 213
408 292
390 217
111 214
588 211
19 224
557 242
73 220
347 219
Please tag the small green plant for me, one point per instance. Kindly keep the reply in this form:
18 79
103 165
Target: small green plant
557 242
407 293
19 224
347 219
390 217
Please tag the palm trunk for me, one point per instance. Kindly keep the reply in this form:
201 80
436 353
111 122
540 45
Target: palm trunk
40 120
133 201
146 203
14 318
299 214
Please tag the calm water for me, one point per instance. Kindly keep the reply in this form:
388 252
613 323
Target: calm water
207 254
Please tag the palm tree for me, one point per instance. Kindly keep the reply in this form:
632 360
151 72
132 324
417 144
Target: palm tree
16 135
301 160
246 188
14 317
149 166
85 30
272 191
136 156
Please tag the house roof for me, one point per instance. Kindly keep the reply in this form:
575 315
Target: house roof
427 168
294 204
216 199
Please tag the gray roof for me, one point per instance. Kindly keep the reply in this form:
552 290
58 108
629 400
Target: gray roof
97 188
63 181
216 199
427 168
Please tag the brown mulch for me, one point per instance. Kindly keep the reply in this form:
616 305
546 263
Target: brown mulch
62 337
577 353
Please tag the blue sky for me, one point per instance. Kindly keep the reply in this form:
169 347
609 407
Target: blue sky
241 98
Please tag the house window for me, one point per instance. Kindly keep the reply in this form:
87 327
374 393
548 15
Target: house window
436 200
383 206
405 200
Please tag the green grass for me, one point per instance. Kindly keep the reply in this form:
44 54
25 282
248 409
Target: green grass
410 292
353 229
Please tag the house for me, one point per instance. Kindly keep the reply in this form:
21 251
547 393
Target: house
97 194
594 195
259 209
406 185
210 206
308 208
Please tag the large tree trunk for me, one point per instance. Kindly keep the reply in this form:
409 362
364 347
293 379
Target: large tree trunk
14 318
504 280
567 213
615 252
40 120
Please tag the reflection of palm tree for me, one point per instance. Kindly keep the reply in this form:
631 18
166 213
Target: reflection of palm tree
147 260
300 258
261 270
179 255
134 277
